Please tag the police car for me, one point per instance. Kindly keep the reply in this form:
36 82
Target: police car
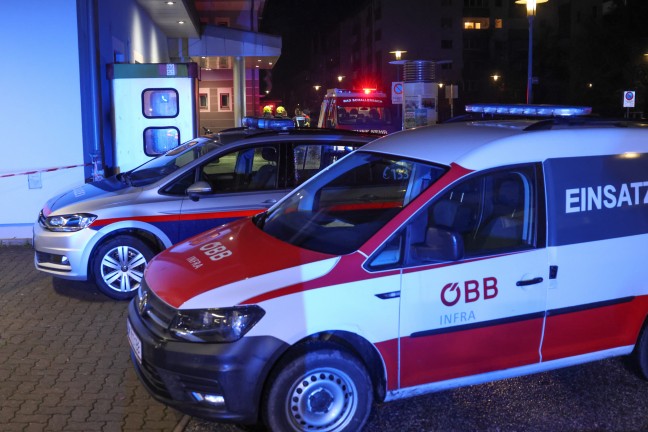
431 258
107 231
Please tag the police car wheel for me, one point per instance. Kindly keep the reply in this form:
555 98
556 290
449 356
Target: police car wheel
325 390
118 266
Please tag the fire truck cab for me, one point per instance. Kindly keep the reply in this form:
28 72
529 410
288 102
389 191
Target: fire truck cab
364 111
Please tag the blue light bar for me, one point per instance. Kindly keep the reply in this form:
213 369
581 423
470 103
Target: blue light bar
268 123
529 110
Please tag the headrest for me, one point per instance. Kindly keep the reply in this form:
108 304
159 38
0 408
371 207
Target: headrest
508 192
269 154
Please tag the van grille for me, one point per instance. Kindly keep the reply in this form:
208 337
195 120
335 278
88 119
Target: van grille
157 314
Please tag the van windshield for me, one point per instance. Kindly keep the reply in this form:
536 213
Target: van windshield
363 115
166 164
342 207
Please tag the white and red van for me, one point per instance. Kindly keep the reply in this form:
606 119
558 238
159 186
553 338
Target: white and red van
432 258
365 110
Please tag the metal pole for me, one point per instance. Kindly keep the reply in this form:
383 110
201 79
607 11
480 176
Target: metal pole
529 94
451 100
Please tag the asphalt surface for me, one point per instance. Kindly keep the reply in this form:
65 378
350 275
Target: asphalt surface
65 366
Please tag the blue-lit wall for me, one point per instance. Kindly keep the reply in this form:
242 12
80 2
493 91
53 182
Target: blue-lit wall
40 109
47 85
126 35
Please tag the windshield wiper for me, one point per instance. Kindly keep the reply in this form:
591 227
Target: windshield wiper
125 177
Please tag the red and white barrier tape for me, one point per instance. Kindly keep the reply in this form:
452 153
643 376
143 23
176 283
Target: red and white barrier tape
44 170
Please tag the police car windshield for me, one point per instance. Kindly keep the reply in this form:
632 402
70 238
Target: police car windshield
168 163
341 208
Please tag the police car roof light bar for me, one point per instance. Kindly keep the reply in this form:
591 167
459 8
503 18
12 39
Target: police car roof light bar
530 110
268 123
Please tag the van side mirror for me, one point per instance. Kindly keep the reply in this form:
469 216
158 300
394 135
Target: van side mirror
440 245
199 188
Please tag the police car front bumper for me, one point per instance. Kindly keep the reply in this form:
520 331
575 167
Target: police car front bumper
62 254
214 381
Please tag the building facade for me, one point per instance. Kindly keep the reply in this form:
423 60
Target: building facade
59 120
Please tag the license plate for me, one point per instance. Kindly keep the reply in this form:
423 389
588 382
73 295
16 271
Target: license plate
134 341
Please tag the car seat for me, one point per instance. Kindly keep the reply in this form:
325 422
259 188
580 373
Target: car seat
266 176
503 229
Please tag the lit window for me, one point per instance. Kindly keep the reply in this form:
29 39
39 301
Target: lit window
203 100
224 99
476 23
160 103
159 140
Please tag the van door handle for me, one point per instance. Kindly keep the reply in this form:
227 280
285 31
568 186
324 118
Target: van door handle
269 201
529 281
388 295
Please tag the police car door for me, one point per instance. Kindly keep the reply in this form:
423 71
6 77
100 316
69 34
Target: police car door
241 183
474 278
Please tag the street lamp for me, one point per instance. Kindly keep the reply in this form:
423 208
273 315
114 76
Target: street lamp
398 53
317 87
340 78
531 11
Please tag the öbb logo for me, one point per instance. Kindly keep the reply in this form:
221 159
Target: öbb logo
452 293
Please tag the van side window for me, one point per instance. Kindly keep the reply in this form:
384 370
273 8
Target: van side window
483 215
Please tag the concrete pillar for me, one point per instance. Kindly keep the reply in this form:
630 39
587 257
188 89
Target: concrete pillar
239 96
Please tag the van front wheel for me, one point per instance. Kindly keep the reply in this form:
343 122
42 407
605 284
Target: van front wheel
118 266
325 390
642 352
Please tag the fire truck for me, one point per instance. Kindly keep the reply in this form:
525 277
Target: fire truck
365 110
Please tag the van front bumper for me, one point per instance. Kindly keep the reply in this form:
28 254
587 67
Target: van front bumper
221 382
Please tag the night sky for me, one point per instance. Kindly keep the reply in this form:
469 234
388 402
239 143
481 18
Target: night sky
610 56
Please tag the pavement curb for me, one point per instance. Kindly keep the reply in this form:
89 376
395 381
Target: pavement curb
182 424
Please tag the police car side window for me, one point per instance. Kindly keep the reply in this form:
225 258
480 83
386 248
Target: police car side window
248 169
309 159
180 185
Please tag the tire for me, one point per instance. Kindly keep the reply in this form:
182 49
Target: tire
118 266
641 354
325 390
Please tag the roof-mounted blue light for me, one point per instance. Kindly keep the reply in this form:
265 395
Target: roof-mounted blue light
529 110
268 123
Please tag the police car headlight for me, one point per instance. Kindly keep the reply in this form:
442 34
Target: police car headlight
67 223
215 325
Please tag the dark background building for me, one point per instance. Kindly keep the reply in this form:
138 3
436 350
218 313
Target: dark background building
584 52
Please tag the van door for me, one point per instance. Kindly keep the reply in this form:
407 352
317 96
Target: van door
474 281
597 237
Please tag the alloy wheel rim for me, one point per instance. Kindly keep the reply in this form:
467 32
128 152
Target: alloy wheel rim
122 268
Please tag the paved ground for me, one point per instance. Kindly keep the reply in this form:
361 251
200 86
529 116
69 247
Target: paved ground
65 366
64 358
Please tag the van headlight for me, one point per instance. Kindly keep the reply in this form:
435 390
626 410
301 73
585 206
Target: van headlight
67 223
215 325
